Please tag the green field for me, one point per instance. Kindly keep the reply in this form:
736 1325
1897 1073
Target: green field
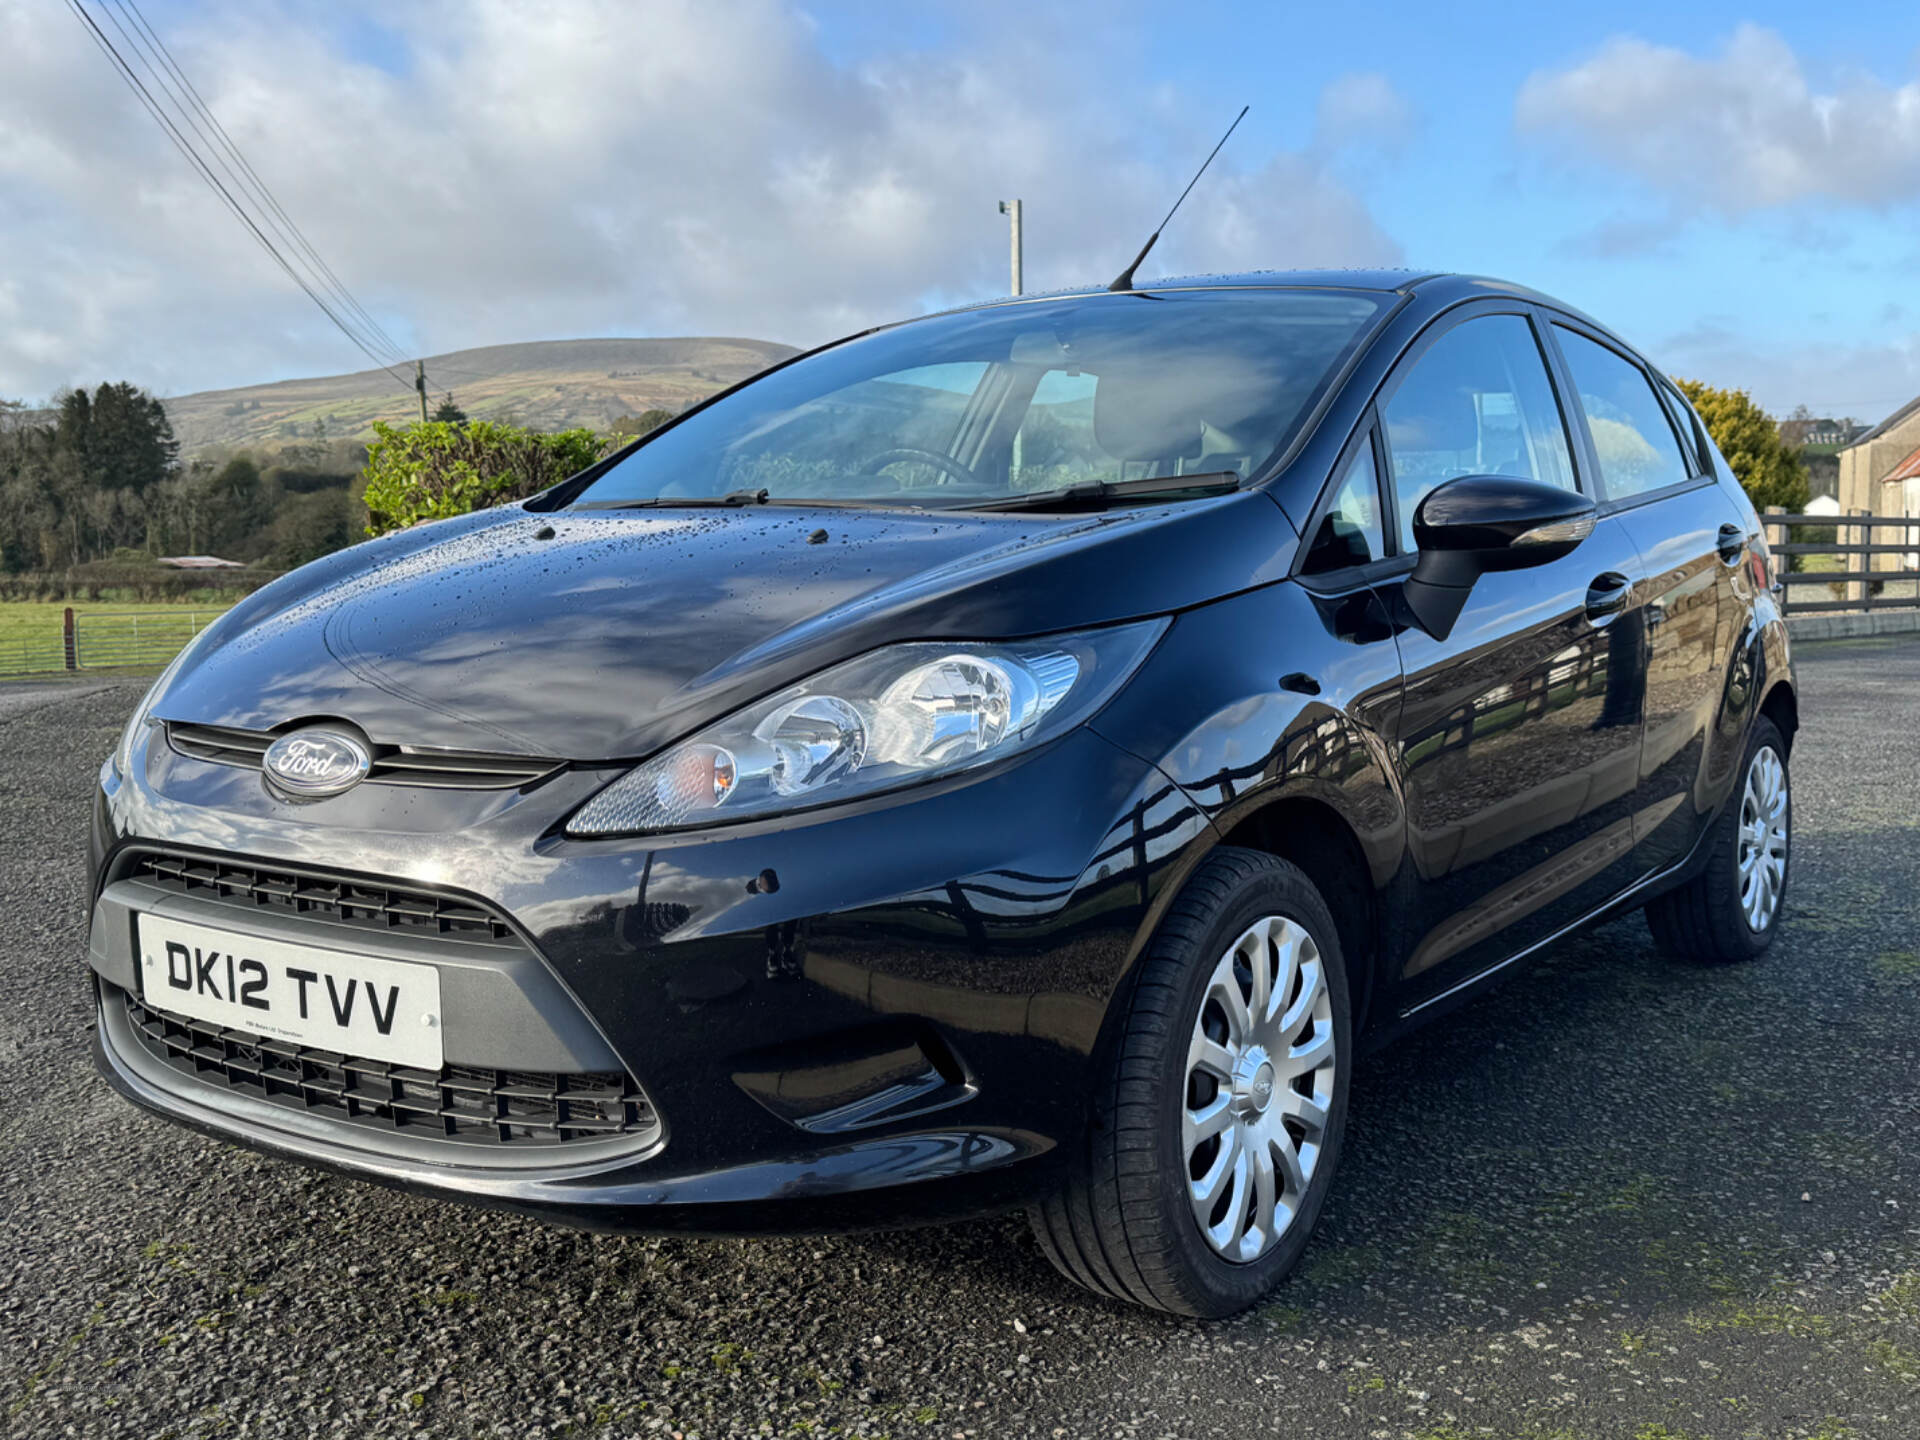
111 635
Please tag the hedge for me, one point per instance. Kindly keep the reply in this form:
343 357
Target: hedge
439 468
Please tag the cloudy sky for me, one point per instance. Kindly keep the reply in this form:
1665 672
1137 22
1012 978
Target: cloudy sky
1734 186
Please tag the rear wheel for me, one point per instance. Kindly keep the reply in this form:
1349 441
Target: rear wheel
1218 1117
1730 910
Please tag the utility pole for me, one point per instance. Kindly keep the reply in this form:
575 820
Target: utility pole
420 384
1012 208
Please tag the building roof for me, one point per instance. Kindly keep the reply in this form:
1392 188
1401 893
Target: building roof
1907 469
200 562
1897 417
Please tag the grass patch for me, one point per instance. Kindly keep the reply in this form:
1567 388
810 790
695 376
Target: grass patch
1282 1319
31 631
1762 1318
1897 1361
60 1357
1897 965
1902 1297
1342 1265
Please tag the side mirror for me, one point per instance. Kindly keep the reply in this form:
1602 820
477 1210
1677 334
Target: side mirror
1480 523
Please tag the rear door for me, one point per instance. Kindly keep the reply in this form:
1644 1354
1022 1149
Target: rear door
1519 739
1650 462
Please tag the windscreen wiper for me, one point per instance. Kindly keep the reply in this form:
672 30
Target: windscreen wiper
1092 494
730 500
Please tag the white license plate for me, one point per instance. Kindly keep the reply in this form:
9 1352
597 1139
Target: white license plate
329 999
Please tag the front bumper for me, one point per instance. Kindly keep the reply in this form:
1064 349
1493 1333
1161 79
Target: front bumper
876 1015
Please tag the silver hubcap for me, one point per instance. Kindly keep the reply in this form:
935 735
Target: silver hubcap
1259 1086
1763 838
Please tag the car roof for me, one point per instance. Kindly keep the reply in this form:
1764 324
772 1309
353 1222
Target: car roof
1335 278
1436 284
1438 289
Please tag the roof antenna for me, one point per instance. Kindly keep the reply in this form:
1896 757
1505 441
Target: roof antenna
1125 280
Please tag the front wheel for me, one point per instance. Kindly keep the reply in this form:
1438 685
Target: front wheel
1730 910
1217 1121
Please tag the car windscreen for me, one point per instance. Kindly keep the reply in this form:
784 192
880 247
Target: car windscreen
965 408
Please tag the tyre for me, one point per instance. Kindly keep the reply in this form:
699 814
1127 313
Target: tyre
1730 910
1221 1100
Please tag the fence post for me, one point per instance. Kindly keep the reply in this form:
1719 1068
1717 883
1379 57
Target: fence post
1856 536
1776 532
69 642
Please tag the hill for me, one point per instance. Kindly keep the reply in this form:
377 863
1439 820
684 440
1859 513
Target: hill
545 384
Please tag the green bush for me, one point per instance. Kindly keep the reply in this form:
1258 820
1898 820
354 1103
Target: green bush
435 469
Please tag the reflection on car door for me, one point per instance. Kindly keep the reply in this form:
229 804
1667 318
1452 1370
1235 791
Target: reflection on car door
1691 537
1519 738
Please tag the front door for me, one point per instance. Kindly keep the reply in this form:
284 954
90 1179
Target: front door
1519 739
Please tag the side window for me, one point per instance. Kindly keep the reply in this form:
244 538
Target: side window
1632 437
1477 403
1681 414
1350 532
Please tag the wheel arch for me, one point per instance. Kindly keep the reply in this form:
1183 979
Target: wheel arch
1772 668
1782 706
1312 834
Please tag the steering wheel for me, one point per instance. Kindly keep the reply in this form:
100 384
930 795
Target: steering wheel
950 467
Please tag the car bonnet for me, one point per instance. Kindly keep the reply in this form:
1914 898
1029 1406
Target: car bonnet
607 634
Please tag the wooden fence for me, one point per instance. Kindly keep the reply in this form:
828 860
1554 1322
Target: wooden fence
1877 561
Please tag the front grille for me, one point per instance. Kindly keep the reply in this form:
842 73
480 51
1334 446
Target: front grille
456 1102
372 904
392 765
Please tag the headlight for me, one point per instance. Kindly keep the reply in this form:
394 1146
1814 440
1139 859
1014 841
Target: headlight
123 752
890 718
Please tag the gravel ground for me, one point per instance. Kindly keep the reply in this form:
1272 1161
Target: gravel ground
1613 1198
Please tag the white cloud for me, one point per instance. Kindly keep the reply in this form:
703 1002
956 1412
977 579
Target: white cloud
1866 380
1363 108
1740 131
507 173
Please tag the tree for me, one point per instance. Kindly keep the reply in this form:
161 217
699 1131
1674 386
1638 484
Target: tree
1797 426
95 476
236 504
1768 469
448 412
308 526
121 435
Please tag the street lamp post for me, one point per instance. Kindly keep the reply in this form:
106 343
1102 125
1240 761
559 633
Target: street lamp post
1011 208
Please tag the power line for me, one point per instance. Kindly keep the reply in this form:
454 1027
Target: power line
193 158
359 338
189 101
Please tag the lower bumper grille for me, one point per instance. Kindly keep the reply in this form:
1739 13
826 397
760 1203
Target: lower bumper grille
456 1102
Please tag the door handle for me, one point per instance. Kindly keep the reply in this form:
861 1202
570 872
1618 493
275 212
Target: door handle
1607 596
1731 542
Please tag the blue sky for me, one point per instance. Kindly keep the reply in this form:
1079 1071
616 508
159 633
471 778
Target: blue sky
1467 193
1735 187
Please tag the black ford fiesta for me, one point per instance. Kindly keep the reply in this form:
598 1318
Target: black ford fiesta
1021 757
